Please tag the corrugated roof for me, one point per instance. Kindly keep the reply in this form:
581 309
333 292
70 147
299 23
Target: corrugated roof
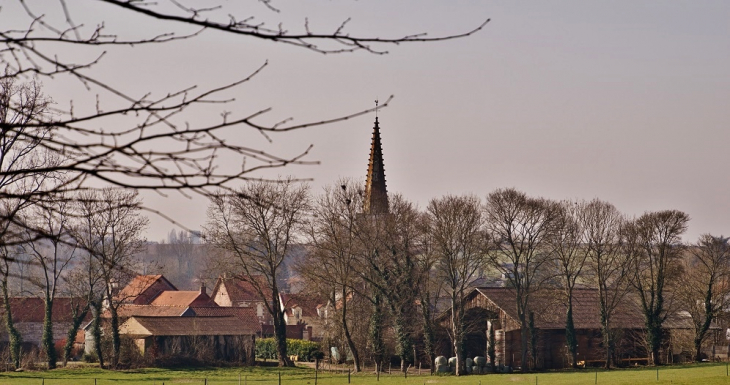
184 326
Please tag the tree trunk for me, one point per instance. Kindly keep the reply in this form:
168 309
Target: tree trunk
654 337
375 336
47 339
96 333
491 348
429 340
14 337
533 341
116 340
457 332
524 334
348 337
76 319
705 326
570 337
280 330
607 338
404 345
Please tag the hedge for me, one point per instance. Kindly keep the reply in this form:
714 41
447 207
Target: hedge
305 350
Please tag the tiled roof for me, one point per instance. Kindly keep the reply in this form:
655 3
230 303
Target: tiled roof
184 326
683 320
241 289
129 310
31 309
182 298
307 303
550 308
246 315
139 284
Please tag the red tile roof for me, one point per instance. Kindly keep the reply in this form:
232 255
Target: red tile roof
308 304
31 309
140 284
184 326
241 289
129 310
183 298
246 315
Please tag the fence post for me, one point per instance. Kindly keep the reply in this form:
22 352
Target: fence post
348 376
280 377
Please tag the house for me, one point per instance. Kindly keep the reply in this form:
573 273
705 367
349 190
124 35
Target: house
246 315
304 309
219 338
28 314
240 292
183 298
143 289
152 296
496 307
170 323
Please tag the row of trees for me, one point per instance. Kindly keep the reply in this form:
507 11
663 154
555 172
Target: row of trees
386 273
81 249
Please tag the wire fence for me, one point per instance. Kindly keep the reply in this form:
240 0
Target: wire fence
700 374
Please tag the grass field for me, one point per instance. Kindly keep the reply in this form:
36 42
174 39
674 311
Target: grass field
693 374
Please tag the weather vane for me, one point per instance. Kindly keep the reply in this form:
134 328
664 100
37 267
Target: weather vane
376 108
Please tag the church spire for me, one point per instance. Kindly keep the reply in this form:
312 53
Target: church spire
376 193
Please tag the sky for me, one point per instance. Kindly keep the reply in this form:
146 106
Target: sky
624 101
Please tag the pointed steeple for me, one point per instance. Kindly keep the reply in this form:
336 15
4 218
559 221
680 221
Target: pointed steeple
376 192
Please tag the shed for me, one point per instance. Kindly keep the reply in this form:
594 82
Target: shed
221 338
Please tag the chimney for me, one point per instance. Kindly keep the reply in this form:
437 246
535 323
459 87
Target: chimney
202 288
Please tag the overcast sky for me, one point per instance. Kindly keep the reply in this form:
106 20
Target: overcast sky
624 101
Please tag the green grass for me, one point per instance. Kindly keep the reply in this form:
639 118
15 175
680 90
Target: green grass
691 374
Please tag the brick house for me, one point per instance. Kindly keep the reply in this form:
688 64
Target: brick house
28 314
239 292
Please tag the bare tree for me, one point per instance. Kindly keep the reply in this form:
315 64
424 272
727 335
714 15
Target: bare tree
22 161
258 227
335 250
655 242
15 339
389 264
608 267
521 227
458 242
82 286
52 253
157 141
111 233
570 257
703 287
